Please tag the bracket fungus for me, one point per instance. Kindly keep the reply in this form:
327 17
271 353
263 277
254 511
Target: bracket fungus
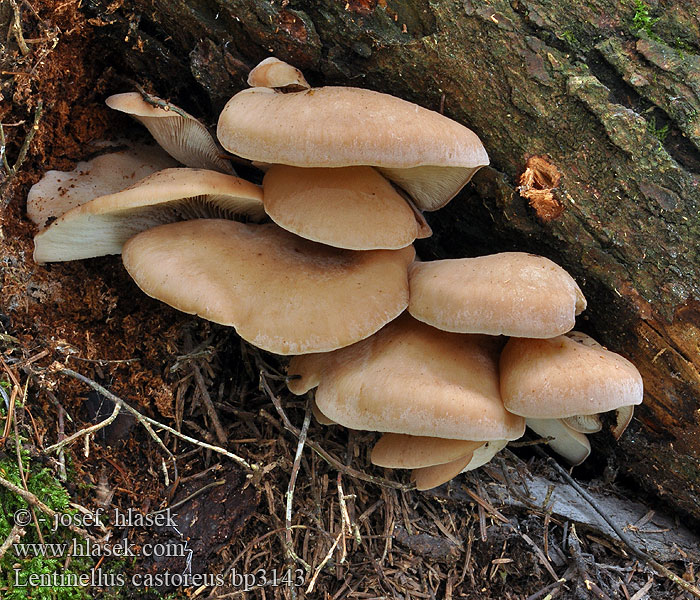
427 154
566 376
59 191
274 73
350 207
511 293
102 225
282 293
348 171
182 136
411 378
434 460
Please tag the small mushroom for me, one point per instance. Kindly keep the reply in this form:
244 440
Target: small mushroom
411 378
102 225
402 451
511 293
432 476
282 293
349 207
566 376
424 152
59 191
274 73
427 478
182 136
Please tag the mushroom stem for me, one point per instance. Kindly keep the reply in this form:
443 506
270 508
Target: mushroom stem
566 442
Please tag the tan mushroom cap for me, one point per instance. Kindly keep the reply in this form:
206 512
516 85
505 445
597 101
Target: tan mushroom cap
182 136
59 191
402 451
427 154
511 293
427 478
101 226
411 378
274 73
282 293
562 377
350 207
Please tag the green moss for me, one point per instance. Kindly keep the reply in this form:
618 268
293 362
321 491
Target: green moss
569 38
659 133
17 567
643 21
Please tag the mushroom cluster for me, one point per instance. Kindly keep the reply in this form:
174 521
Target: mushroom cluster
415 350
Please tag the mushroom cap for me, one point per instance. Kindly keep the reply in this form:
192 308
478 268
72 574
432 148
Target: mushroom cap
432 476
426 153
402 451
427 478
511 293
562 377
349 207
411 378
102 225
182 136
282 293
59 191
274 73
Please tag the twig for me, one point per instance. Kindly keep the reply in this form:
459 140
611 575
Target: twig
58 446
209 405
329 458
34 501
192 496
323 563
289 545
147 421
15 534
546 589
159 103
20 465
16 28
658 567
11 171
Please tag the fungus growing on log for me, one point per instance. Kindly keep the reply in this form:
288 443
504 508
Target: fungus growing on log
430 156
566 376
282 293
102 225
350 207
411 378
512 293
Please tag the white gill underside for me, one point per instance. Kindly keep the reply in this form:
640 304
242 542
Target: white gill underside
188 141
430 187
89 235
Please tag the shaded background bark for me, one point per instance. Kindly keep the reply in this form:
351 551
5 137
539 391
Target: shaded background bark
607 90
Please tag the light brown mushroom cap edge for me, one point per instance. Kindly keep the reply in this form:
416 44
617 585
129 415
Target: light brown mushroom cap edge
102 225
511 293
560 377
427 154
348 207
411 378
282 293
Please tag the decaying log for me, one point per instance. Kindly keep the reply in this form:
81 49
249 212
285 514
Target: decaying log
606 92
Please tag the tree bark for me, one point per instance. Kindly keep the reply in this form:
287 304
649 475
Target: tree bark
607 90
